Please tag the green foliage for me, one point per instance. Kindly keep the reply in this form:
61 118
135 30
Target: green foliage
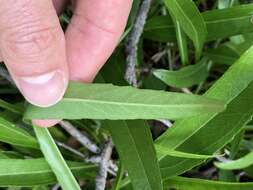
16 136
199 184
219 23
241 163
135 147
99 101
208 133
188 16
55 159
33 172
185 77
191 114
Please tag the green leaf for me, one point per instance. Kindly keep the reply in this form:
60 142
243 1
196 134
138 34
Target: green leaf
105 101
222 55
164 151
228 22
136 150
185 77
40 188
13 108
182 43
120 175
55 160
241 163
200 184
199 134
160 28
191 21
16 136
220 24
31 172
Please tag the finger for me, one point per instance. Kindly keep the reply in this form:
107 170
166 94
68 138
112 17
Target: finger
59 5
32 45
92 35
46 123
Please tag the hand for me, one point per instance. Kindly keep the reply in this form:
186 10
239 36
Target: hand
41 59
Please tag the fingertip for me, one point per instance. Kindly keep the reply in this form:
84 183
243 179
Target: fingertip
45 89
46 123
33 49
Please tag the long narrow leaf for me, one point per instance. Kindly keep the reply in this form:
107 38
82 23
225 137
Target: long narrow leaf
241 163
135 147
185 77
174 153
190 19
105 101
220 24
181 42
200 184
55 160
31 172
16 136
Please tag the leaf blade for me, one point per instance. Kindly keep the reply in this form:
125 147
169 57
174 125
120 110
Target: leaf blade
190 19
105 101
192 183
55 160
31 172
16 136
185 77
240 163
135 147
220 24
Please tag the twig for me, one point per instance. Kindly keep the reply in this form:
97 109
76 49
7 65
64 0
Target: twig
166 122
113 168
186 90
60 144
56 187
85 141
133 40
102 175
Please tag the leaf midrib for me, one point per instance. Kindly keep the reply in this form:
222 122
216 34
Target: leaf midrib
139 104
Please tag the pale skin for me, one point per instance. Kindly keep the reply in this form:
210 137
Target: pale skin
42 59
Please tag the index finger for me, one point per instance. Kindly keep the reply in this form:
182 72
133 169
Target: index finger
92 35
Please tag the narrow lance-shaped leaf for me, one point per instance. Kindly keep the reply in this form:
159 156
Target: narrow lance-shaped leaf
120 175
105 101
222 55
199 184
181 42
227 53
185 77
55 160
13 108
220 24
199 134
31 172
134 144
163 150
241 163
16 136
190 19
